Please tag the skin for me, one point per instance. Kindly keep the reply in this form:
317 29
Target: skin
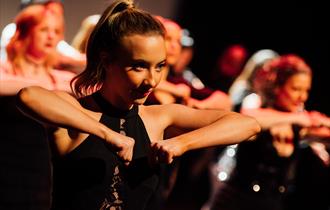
173 42
166 90
138 74
291 97
130 77
42 42
294 93
45 37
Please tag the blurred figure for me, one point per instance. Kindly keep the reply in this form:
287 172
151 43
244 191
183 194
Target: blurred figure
228 66
181 67
243 84
265 173
175 88
24 155
32 51
67 57
79 42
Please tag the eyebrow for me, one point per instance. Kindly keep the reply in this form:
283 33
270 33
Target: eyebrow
144 61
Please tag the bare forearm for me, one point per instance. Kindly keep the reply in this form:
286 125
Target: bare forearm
230 129
48 108
270 117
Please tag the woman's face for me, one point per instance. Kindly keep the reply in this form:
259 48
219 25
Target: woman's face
173 42
45 36
293 94
135 70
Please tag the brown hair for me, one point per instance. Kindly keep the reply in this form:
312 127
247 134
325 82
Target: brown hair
120 19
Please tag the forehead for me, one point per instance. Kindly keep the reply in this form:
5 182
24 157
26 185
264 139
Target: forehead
145 47
300 79
172 29
52 20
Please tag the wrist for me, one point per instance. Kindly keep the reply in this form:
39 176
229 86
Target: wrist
184 144
102 131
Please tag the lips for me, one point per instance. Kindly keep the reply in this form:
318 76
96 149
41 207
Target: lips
143 93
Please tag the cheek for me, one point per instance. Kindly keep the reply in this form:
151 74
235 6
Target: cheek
34 43
158 78
132 79
292 96
38 36
283 99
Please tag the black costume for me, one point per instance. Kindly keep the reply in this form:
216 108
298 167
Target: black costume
261 179
93 177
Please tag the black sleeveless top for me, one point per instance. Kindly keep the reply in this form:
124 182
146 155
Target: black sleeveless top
258 164
93 177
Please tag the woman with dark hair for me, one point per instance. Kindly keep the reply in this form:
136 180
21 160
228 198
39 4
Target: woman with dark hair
108 146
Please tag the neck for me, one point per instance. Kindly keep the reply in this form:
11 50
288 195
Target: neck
35 60
115 100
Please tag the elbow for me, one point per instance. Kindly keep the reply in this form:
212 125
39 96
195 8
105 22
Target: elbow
25 97
247 111
250 123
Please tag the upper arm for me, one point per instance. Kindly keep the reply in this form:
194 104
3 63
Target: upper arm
64 141
74 102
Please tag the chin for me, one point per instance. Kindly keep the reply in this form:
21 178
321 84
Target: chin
140 101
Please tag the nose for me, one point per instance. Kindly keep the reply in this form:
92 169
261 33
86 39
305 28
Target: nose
51 34
303 96
151 78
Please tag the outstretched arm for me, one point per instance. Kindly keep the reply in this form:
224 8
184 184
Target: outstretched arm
268 117
209 128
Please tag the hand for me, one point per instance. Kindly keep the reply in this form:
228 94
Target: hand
123 145
303 119
194 103
182 91
166 150
283 139
319 120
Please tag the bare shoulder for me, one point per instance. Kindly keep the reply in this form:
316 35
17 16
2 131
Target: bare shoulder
182 116
167 113
161 110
